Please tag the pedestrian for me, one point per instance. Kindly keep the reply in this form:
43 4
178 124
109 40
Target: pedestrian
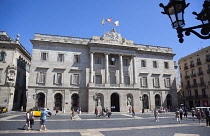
43 119
133 112
202 115
193 113
177 116
96 112
31 118
80 110
181 112
207 115
21 108
198 114
27 120
109 113
73 114
156 114
185 113
56 111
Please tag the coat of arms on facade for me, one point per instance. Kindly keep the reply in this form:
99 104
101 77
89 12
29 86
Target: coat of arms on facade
113 35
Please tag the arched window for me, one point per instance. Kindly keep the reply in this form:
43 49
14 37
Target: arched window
157 100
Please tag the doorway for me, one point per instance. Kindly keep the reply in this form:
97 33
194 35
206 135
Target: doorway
115 105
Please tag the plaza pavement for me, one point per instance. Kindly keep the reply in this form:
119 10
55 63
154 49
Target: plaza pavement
120 124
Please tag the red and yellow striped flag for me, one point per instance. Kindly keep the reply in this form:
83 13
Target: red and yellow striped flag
109 20
102 22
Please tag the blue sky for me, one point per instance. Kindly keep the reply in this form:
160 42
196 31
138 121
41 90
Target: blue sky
140 21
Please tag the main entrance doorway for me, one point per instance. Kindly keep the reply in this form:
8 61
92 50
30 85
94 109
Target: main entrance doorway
115 105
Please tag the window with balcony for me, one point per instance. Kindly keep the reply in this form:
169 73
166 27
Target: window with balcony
193 73
41 77
200 72
154 64
2 56
203 92
198 61
144 82
44 56
97 60
156 82
76 58
166 66
191 64
58 78
98 79
186 74
60 58
75 79
189 93
202 81
167 82
185 66
143 63
194 83
196 92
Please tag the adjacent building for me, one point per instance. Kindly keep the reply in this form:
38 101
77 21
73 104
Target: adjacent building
14 72
102 71
195 78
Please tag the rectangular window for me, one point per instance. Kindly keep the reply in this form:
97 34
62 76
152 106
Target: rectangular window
125 62
156 82
98 79
76 58
154 64
144 81
166 65
44 56
189 92
196 92
58 78
167 82
126 80
193 72
2 56
41 77
60 58
75 79
203 92
97 60
143 63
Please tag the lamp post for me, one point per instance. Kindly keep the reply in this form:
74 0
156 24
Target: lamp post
175 11
142 99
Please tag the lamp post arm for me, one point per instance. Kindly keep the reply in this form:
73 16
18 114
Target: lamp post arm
187 33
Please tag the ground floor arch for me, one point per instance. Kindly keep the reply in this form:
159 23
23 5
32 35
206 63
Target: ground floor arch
157 100
41 100
115 102
74 101
169 101
58 101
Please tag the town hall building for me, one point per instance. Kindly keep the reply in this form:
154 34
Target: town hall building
103 71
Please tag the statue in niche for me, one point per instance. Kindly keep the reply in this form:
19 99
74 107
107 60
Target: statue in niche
99 101
129 101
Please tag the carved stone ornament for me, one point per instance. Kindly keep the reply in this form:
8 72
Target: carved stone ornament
113 35
11 75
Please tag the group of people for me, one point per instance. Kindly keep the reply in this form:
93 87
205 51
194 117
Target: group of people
104 112
30 119
200 114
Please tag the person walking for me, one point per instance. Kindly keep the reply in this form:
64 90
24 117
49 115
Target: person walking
109 113
177 116
31 118
181 112
207 115
56 111
27 120
43 119
156 114
198 114
72 114
193 113
96 112
185 113
133 112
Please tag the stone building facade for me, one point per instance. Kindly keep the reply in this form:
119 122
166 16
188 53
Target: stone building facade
102 71
195 78
14 72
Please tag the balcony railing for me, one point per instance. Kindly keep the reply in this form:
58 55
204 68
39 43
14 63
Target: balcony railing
200 73
185 67
193 75
198 63
187 76
192 65
188 86
202 84
194 85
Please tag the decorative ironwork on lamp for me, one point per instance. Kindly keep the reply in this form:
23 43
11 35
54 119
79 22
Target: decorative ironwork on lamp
175 11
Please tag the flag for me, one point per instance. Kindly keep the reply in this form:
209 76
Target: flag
102 22
109 20
116 23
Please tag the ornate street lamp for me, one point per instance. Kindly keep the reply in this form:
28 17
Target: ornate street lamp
175 11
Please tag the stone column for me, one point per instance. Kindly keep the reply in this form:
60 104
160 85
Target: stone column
106 68
91 67
134 69
121 69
